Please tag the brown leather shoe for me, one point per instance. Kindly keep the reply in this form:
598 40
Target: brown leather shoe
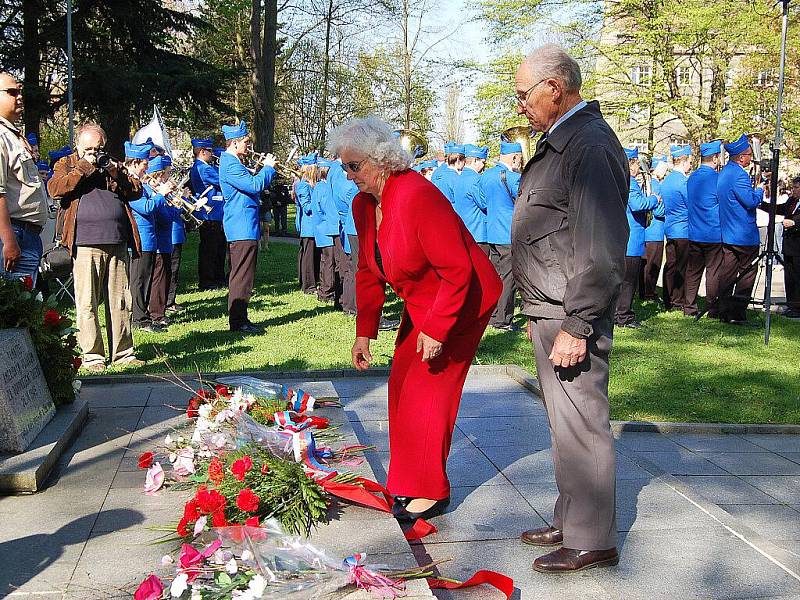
544 536
566 560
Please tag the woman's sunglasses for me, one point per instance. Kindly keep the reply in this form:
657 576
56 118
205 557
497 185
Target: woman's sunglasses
353 166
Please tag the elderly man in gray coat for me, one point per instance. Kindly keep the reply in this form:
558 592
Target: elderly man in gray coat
569 235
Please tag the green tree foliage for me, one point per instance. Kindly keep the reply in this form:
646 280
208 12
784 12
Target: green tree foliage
494 100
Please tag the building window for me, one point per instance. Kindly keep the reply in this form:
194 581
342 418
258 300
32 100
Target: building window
765 77
638 113
680 142
684 75
641 75
640 143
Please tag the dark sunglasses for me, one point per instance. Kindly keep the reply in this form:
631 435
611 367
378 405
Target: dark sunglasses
12 91
353 166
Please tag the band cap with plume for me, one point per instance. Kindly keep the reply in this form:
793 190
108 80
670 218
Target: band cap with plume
158 163
710 148
234 131
308 159
139 151
631 153
738 146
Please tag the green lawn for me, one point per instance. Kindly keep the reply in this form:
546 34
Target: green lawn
673 369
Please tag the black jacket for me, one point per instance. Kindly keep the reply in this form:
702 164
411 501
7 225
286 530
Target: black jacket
569 230
791 236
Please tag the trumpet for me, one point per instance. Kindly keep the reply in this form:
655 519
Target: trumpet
187 207
259 160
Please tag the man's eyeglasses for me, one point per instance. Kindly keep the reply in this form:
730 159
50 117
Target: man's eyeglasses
353 166
523 100
12 91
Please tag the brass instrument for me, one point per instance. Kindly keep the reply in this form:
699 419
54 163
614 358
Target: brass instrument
522 135
259 159
186 207
647 177
412 142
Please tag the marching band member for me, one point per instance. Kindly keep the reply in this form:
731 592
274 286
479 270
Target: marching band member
498 187
240 191
636 211
156 183
178 238
738 202
344 191
441 166
144 210
33 141
676 227
654 234
468 202
427 168
446 181
213 247
705 237
326 228
307 267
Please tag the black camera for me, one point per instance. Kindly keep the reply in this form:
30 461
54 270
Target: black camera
103 160
765 164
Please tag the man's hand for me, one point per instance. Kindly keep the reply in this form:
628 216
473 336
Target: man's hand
360 354
568 351
11 254
90 157
430 347
788 223
270 161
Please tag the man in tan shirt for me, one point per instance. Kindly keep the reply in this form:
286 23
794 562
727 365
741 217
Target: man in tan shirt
23 200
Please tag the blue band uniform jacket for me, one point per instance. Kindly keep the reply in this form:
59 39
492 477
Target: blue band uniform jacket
241 191
738 202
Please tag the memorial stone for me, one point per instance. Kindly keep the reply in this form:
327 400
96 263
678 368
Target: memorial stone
25 402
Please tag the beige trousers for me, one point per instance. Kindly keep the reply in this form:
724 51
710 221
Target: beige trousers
101 275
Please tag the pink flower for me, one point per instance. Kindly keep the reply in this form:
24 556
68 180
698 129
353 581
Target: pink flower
154 479
184 462
190 558
150 589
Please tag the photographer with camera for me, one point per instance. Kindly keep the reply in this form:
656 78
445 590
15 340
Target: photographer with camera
93 191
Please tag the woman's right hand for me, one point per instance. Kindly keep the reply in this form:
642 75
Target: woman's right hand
360 354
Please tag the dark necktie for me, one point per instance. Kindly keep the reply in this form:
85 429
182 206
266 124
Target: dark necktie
540 143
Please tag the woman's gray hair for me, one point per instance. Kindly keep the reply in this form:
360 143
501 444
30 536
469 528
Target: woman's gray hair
374 138
553 62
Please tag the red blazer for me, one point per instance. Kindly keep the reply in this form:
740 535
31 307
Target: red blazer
429 257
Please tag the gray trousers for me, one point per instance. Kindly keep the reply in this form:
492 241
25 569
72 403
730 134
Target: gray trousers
576 400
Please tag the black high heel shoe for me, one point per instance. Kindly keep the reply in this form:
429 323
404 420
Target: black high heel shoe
405 516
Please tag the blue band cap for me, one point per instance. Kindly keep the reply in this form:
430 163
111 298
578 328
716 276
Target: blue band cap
234 131
738 146
139 151
43 165
308 159
202 143
678 151
510 148
473 151
32 138
710 148
631 153
158 163
218 150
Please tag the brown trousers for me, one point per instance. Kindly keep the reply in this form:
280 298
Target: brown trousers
500 255
624 313
141 272
675 273
160 286
703 256
327 274
346 286
244 258
735 296
306 265
211 256
576 400
653 257
101 275
175 267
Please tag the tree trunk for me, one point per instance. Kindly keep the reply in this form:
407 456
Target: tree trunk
257 83
117 125
35 98
326 64
406 67
269 57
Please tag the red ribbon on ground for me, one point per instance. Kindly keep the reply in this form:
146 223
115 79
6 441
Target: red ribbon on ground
497 580
366 494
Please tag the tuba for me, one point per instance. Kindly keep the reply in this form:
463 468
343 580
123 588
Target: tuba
521 134
755 166
412 142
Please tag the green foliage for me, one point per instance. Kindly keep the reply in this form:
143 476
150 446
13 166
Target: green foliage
285 491
52 335
495 100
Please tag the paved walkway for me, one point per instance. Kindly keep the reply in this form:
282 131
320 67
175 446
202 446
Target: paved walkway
709 516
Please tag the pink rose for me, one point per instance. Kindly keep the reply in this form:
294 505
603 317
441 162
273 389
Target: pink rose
150 589
154 479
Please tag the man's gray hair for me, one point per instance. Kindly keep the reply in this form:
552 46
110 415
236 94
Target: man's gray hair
374 138
553 62
90 126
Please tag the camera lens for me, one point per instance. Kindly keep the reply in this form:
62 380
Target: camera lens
103 160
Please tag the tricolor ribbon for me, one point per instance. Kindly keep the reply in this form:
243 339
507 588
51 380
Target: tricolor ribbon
299 401
370 581
293 421
306 453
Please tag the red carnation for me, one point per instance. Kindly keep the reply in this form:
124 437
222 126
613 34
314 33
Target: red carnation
202 393
216 471
191 510
77 362
264 469
218 519
241 466
247 500
209 501
145 460
252 522
52 318
183 527
191 410
222 390
27 282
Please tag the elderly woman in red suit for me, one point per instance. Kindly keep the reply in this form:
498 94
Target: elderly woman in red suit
411 238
